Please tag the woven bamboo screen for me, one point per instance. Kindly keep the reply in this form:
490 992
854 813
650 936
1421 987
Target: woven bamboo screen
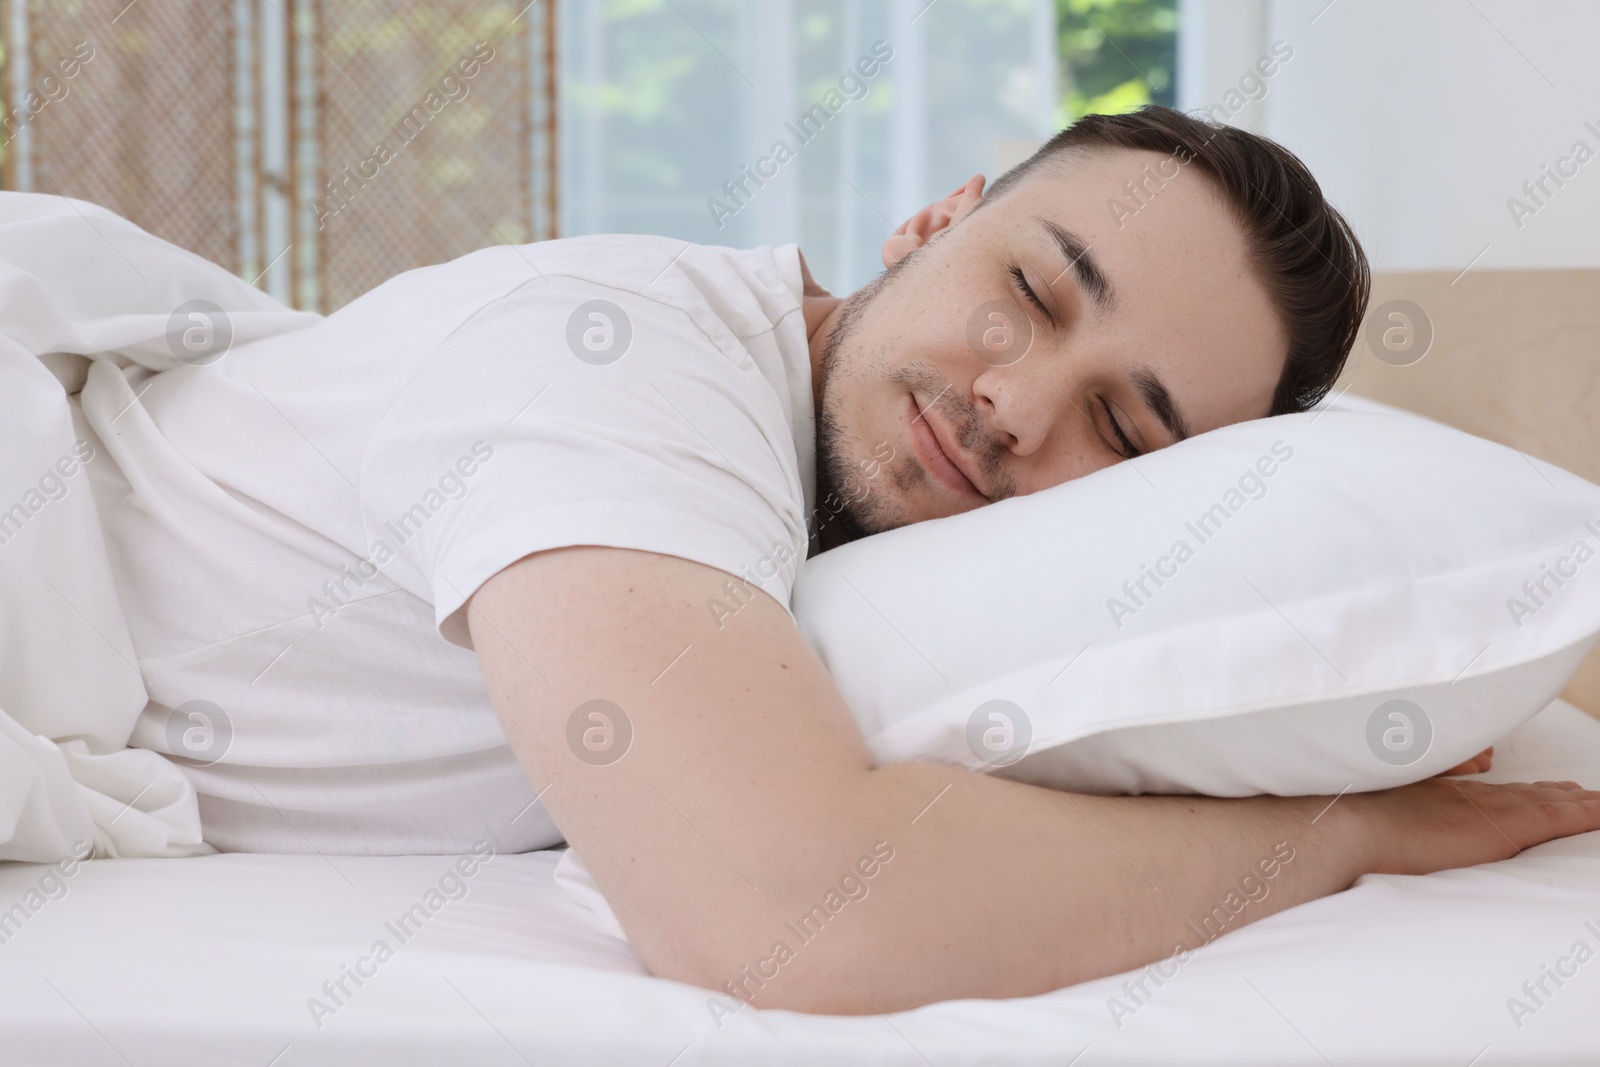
315 147
101 134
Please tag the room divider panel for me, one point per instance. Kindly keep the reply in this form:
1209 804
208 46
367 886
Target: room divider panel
314 147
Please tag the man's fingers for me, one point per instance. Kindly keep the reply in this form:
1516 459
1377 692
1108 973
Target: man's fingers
1476 765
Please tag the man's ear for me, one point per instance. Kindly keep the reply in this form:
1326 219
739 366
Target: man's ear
940 215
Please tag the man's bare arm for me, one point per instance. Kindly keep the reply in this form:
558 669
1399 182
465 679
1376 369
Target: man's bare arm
746 795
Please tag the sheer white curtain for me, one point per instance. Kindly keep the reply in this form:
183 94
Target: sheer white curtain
828 122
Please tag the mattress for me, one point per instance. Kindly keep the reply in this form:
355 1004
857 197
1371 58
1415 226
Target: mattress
238 959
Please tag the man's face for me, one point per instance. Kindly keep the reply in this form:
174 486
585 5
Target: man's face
1144 326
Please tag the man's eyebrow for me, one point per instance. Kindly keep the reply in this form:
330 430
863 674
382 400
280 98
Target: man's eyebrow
1090 277
1159 401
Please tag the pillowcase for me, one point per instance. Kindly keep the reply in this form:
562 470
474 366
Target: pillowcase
1351 598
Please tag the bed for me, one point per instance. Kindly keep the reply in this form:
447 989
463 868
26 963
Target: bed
217 960
271 960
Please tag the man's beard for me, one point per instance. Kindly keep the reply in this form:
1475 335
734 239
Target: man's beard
839 477
861 514
837 474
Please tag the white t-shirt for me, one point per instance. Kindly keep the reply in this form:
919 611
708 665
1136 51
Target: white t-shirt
296 527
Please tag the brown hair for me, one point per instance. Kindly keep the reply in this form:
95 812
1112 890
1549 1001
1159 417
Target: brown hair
1302 250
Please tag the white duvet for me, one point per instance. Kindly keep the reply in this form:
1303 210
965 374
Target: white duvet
77 281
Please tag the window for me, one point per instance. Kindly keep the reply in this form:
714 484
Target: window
666 105
318 147
1117 55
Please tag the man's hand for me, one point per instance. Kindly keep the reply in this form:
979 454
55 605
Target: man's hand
1476 765
728 808
1436 824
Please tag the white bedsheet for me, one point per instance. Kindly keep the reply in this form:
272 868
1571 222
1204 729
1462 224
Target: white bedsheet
212 960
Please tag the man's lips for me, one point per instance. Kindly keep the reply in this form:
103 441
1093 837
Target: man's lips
939 459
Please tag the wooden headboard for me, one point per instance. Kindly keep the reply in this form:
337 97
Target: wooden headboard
1515 357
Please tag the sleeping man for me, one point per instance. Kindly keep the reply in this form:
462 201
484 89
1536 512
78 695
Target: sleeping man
377 571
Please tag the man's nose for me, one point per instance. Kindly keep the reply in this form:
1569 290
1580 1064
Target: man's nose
1026 405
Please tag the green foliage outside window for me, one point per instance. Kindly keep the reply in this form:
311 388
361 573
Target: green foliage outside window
1116 55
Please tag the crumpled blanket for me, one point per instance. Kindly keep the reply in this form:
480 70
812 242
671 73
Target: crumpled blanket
79 284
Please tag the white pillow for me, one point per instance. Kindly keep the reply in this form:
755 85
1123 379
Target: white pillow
1341 599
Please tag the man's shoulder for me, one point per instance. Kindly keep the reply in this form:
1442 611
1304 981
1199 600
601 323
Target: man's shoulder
742 287
717 292
673 271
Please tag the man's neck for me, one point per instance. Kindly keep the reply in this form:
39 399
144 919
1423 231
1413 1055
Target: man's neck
826 530
821 309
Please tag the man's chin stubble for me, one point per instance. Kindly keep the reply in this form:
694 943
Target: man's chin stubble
841 484
860 514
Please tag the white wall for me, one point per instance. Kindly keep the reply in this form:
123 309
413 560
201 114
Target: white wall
1422 118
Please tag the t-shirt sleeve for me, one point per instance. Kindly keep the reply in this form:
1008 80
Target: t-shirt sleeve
570 413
